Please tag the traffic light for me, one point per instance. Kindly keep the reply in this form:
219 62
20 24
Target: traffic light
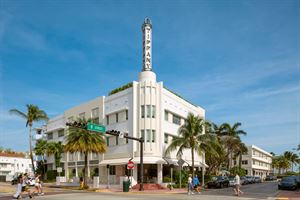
76 124
113 132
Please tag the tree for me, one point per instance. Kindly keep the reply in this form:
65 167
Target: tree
56 149
230 137
84 141
34 114
190 133
41 149
214 158
291 157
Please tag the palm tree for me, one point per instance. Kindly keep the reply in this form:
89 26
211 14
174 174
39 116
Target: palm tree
291 157
34 114
190 134
41 149
84 141
56 149
241 149
230 137
283 163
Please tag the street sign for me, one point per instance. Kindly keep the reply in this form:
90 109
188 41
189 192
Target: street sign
130 165
59 169
96 127
180 162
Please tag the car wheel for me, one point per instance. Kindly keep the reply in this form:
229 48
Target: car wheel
279 188
221 185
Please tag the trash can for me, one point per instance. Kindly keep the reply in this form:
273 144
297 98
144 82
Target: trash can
126 185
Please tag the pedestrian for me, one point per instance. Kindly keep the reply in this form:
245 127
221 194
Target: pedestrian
38 185
237 185
190 184
26 185
196 184
17 195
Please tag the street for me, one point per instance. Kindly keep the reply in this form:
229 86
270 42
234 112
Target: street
267 190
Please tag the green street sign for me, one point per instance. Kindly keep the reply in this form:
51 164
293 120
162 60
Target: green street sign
96 128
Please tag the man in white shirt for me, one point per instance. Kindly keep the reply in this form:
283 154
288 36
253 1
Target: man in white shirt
237 184
190 184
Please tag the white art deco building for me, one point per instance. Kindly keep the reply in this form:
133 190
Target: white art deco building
143 108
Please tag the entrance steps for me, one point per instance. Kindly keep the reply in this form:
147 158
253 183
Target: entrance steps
149 186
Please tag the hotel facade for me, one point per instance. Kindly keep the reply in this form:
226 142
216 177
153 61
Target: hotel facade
143 108
256 162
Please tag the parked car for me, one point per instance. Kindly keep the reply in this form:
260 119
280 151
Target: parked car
231 181
250 179
218 182
287 183
244 180
257 179
297 179
271 178
14 180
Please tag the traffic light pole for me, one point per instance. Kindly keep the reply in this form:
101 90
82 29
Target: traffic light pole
115 133
141 141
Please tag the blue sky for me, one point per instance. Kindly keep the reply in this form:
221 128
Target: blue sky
239 60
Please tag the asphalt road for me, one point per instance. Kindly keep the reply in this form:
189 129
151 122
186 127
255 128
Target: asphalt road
266 190
258 190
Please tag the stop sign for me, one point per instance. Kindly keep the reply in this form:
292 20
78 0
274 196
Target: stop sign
130 165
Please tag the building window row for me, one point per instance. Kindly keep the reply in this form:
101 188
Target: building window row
115 141
148 135
117 117
94 115
176 119
148 110
244 162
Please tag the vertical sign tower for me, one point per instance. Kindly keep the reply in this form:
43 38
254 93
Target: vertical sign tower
147 45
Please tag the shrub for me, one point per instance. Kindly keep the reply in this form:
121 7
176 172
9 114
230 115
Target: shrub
52 174
166 179
238 170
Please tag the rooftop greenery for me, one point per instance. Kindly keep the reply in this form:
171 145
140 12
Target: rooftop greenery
119 89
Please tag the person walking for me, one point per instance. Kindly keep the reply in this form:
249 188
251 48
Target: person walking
190 184
196 184
17 195
237 185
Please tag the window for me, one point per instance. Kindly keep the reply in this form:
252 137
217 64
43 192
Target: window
95 115
176 119
61 133
95 112
148 135
126 114
94 156
117 117
107 119
143 134
50 136
166 115
244 162
82 115
153 111
71 156
234 162
253 162
148 111
107 141
112 170
153 136
143 111
166 138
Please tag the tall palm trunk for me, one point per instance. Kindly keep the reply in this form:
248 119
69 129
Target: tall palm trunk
30 148
240 160
85 169
193 163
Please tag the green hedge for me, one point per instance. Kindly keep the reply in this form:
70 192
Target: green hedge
52 174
